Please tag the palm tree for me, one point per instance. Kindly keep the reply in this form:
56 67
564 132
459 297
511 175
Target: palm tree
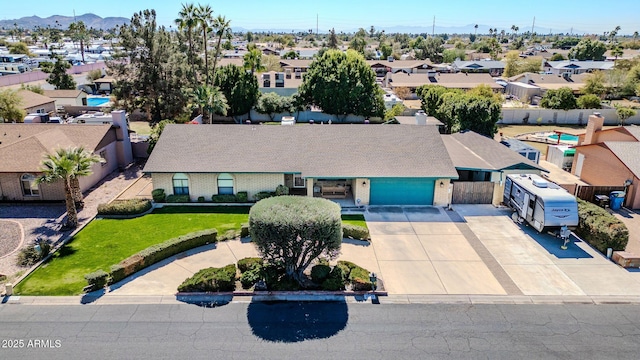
63 165
476 31
515 30
188 21
84 161
211 100
253 60
78 32
635 35
204 17
223 29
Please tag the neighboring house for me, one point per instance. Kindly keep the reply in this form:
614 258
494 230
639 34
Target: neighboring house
104 85
522 149
34 103
363 164
382 67
67 97
462 81
546 82
576 67
492 67
482 165
23 146
279 82
609 158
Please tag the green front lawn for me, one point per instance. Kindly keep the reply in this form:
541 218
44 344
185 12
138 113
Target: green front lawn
354 219
105 242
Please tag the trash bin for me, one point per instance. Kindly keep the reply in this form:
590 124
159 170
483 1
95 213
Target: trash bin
616 199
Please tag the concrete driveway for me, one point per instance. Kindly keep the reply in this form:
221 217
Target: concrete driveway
421 251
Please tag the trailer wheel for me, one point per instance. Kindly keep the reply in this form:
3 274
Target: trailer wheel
515 217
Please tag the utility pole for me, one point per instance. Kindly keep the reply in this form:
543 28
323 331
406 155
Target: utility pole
533 27
433 29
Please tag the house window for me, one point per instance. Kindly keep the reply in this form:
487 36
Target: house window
103 155
225 184
299 181
180 184
29 185
40 111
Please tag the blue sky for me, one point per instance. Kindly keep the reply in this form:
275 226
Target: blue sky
585 15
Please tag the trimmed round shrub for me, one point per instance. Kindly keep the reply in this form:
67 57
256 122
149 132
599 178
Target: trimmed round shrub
294 231
125 207
158 195
249 263
96 280
242 196
263 195
250 277
211 280
282 190
355 232
319 273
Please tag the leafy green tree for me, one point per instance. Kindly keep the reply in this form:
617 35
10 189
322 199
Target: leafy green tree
431 97
515 65
65 164
624 113
557 57
358 43
156 131
57 71
484 91
450 55
295 230
239 87
272 104
341 84
587 49
33 88
594 84
560 99
271 63
151 73
396 110
516 44
10 109
210 101
19 48
469 112
617 51
385 49
333 39
589 101
291 54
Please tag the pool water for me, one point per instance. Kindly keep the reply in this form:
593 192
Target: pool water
97 101
564 137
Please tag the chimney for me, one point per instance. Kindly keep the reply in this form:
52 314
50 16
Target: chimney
124 151
593 126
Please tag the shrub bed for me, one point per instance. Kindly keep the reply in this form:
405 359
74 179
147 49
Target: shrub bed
158 252
249 263
211 280
601 229
263 195
97 280
178 199
158 195
355 275
125 207
355 232
229 198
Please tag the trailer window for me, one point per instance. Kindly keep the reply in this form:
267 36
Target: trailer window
532 203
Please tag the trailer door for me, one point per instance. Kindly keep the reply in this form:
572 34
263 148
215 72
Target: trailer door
528 206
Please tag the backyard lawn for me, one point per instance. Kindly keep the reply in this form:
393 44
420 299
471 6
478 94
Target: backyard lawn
105 242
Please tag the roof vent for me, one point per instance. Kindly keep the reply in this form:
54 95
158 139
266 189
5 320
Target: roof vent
541 183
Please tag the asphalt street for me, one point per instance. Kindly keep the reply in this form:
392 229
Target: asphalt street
320 331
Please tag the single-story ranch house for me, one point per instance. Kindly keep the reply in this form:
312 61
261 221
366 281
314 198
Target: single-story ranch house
367 164
23 146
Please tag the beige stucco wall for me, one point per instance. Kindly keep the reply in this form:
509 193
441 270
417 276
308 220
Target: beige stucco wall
206 185
100 170
361 191
11 189
442 195
48 108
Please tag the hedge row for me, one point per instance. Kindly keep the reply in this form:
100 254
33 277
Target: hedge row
601 229
357 276
355 232
125 207
150 256
211 280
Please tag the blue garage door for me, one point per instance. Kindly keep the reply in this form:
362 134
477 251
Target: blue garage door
401 191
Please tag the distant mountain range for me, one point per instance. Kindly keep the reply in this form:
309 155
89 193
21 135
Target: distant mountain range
90 20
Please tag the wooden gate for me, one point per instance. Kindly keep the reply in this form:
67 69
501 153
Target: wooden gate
472 192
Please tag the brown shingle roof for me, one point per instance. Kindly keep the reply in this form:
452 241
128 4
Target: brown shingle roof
31 99
469 150
62 93
22 146
627 152
312 150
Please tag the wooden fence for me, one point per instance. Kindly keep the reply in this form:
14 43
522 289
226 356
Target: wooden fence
472 192
588 192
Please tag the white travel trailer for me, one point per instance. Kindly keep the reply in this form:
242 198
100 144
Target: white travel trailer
542 204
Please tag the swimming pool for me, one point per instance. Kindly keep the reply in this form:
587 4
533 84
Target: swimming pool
97 101
564 137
